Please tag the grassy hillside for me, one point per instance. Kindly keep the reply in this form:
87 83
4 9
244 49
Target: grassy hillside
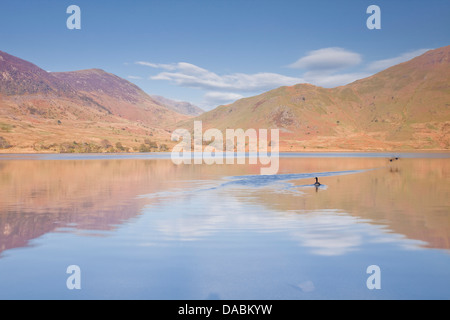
404 107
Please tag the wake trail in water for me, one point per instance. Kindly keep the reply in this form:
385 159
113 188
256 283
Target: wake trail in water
259 181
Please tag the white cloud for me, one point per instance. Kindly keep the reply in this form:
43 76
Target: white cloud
221 89
157 65
134 77
323 66
327 67
192 76
386 63
330 59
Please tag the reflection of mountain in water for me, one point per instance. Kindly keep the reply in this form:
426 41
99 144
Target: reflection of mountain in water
398 198
408 198
37 197
86 192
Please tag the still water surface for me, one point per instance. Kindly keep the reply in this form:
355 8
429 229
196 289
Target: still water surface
140 227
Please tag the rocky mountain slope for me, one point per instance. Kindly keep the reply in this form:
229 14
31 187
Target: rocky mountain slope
404 107
40 111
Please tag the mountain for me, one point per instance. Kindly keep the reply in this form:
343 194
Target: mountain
20 77
182 107
41 111
404 107
119 97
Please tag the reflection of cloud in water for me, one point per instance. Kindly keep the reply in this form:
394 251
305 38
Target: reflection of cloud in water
329 233
189 228
324 232
205 211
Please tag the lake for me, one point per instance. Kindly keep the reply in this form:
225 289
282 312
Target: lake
140 227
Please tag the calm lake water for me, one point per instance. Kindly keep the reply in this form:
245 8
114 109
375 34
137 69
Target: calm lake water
140 227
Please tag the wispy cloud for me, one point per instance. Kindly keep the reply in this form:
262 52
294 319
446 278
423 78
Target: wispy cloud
329 59
134 77
220 89
327 67
322 67
157 65
192 76
386 63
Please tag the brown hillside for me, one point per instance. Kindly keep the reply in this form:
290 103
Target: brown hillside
404 107
41 111
119 97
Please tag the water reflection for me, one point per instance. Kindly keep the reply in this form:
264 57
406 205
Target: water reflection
397 201
37 197
326 232
408 197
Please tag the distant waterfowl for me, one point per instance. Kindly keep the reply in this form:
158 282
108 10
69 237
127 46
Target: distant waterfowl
317 182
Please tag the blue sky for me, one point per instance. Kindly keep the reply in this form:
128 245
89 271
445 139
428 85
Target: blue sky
214 52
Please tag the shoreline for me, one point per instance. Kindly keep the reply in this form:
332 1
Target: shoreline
167 155
280 152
